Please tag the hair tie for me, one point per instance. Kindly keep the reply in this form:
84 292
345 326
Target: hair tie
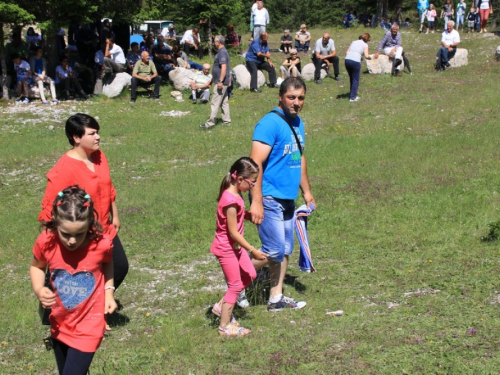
86 204
59 203
61 194
87 196
234 176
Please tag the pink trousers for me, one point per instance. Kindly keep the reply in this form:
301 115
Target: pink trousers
484 14
239 272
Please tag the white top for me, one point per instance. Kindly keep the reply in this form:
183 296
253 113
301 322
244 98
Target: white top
356 50
322 49
64 74
450 38
117 55
260 17
485 4
188 36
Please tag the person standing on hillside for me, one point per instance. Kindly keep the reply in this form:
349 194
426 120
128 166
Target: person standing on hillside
260 19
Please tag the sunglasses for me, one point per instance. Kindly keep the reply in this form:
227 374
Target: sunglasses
250 183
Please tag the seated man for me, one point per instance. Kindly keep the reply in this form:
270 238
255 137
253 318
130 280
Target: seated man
191 42
181 60
291 66
169 34
450 40
391 44
255 59
302 38
200 85
144 74
133 56
114 58
162 57
324 53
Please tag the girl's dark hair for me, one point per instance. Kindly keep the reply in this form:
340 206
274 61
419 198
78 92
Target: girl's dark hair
243 167
76 125
74 204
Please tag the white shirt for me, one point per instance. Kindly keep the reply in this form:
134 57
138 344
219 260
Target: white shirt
450 38
260 17
117 55
485 4
322 49
188 36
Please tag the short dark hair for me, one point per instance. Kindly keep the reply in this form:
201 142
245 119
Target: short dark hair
76 125
14 56
292 82
134 44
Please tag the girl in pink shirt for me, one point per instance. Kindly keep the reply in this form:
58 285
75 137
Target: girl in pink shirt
79 258
229 244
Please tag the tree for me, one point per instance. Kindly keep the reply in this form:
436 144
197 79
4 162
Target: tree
12 15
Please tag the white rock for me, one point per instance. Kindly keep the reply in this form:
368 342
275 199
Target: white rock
181 78
114 89
307 73
382 65
460 58
242 77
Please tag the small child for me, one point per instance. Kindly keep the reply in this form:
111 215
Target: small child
471 19
23 73
286 42
79 259
229 244
291 66
431 17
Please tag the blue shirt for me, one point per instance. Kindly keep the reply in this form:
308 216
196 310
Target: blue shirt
254 48
282 169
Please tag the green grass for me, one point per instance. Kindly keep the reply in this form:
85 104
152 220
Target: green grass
406 182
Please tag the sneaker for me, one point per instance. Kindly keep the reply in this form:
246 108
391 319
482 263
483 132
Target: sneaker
205 126
226 122
285 303
419 30
55 102
242 301
45 103
195 101
336 79
356 99
319 82
132 101
26 101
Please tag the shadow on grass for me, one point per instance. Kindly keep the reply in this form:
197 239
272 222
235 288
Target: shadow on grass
343 96
214 320
117 320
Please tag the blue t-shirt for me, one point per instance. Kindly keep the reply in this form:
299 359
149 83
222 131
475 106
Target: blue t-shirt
254 48
39 66
282 169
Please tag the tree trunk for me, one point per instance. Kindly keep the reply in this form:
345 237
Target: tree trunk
380 12
209 38
5 87
399 12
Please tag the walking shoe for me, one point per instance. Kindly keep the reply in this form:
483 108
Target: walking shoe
319 82
255 90
45 102
26 101
55 102
419 30
356 99
205 126
447 64
336 79
195 101
132 101
242 300
285 303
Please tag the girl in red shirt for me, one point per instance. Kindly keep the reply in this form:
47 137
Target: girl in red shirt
229 243
79 258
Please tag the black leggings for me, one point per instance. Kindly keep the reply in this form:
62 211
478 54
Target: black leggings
71 361
120 262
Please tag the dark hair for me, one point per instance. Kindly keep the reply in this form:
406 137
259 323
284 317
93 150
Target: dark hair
74 204
62 58
14 56
109 36
292 82
243 167
30 29
76 125
134 44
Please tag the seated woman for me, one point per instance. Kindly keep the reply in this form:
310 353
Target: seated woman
291 66
38 66
66 78
232 38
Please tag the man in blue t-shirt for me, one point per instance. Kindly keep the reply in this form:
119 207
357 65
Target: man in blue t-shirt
255 60
282 170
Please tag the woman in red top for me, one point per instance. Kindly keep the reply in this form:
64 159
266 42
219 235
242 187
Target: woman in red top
86 165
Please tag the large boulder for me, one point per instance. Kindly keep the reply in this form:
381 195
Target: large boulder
307 73
34 92
181 78
242 77
114 88
382 65
461 58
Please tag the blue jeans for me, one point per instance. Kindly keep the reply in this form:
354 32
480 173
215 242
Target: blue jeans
354 70
276 230
300 47
444 55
